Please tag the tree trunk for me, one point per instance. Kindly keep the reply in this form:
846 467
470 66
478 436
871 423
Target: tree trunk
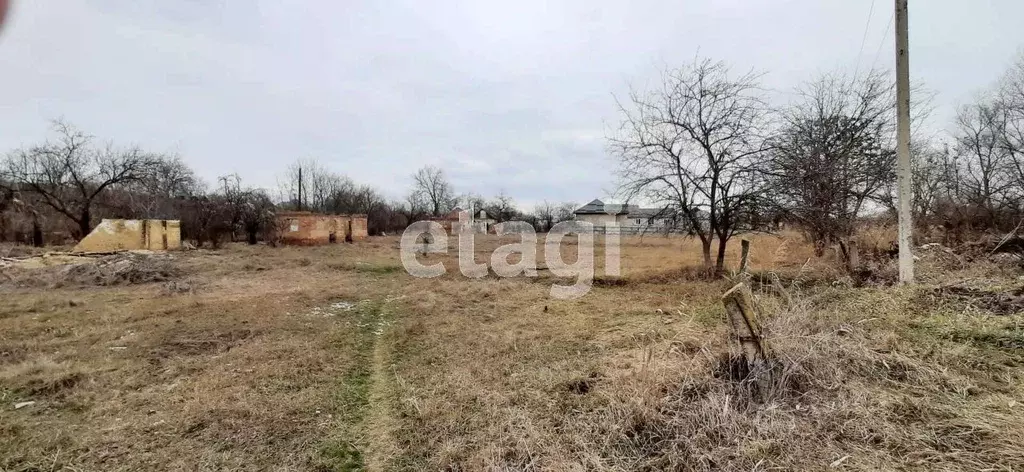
37 233
84 223
252 236
720 261
706 249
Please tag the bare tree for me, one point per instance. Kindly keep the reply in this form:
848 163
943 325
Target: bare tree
432 190
472 202
69 174
153 195
204 218
986 168
834 153
256 213
545 213
564 212
308 185
692 146
502 208
932 169
7 204
1010 108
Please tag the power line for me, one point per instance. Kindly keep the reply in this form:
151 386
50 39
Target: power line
885 35
863 39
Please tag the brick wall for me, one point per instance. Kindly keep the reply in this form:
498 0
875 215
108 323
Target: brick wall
308 229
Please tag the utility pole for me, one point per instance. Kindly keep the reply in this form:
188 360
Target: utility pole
300 188
904 178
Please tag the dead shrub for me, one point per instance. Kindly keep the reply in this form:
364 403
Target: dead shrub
996 302
830 393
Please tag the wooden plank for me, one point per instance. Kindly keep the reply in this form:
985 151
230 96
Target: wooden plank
743 322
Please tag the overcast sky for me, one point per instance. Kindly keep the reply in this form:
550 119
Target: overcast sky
513 96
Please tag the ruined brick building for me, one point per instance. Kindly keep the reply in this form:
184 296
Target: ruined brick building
305 228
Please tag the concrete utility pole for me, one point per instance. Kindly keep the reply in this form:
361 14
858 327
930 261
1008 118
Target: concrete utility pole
904 178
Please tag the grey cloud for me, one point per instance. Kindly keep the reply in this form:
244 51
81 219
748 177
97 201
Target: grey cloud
515 96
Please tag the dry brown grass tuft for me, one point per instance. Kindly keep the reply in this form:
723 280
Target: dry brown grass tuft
849 391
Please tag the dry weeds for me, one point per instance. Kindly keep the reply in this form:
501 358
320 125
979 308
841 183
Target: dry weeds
334 359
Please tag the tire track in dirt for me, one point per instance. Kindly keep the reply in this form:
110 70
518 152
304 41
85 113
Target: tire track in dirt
381 424
364 435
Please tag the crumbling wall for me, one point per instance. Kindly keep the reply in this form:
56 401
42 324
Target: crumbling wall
118 235
512 227
303 229
359 227
162 234
308 229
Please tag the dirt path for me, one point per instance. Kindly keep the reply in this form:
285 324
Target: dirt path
381 425
365 429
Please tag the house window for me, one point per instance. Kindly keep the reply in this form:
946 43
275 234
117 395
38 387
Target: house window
638 221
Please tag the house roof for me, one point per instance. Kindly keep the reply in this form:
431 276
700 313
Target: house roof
648 213
597 207
592 208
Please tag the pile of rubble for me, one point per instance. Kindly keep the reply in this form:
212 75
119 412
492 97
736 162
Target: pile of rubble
54 270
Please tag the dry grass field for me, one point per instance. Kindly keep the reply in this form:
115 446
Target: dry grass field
333 358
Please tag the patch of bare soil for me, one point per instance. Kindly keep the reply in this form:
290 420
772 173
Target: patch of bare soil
194 344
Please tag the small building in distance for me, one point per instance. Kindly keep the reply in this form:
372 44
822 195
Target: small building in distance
512 227
303 228
125 235
629 219
453 221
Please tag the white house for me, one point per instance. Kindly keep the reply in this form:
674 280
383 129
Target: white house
626 218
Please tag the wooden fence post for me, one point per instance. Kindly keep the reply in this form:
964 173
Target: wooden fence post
853 258
744 254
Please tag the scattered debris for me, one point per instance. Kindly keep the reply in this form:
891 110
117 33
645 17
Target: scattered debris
1005 258
838 462
997 302
44 260
942 256
20 405
176 287
333 309
344 306
103 269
